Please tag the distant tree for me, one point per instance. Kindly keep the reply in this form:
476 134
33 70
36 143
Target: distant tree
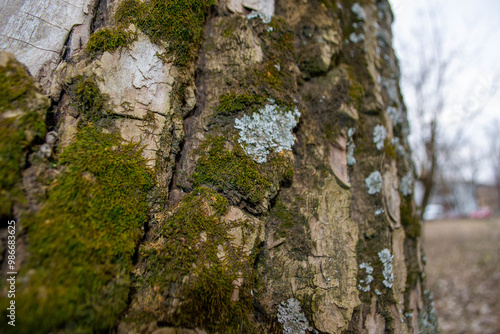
495 155
430 69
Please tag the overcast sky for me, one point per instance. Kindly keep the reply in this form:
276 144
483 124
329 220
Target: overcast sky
473 28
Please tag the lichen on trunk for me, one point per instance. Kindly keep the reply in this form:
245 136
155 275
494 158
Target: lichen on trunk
219 167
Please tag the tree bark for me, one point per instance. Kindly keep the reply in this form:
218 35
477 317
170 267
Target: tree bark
239 167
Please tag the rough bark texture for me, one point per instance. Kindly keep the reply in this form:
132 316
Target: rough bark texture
230 167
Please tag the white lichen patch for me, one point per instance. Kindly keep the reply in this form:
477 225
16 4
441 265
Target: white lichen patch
359 11
292 318
386 259
427 318
406 184
391 88
379 212
368 279
379 134
384 37
266 18
394 114
398 147
356 38
268 130
374 183
350 147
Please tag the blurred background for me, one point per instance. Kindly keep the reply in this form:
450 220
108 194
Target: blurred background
449 52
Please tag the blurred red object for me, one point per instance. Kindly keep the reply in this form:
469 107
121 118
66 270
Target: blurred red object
481 213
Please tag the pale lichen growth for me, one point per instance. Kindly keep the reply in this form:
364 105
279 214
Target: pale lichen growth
266 18
379 212
391 88
406 184
268 130
350 147
356 38
394 114
359 11
292 318
374 183
379 134
386 259
369 278
384 38
398 147
427 318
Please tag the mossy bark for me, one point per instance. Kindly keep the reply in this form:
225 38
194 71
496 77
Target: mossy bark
153 213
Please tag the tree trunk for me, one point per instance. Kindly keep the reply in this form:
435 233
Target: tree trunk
428 175
230 167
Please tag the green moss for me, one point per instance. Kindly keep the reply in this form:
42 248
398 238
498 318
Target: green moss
313 66
82 241
413 276
200 211
233 170
108 40
356 93
232 103
17 131
229 25
409 219
332 5
88 100
354 54
389 150
365 145
288 218
332 131
291 224
130 11
210 306
272 77
12 147
15 84
186 254
279 45
179 23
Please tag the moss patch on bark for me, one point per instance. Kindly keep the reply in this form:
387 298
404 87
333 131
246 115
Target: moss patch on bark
89 101
194 248
234 171
22 122
82 241
108 40
176 23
